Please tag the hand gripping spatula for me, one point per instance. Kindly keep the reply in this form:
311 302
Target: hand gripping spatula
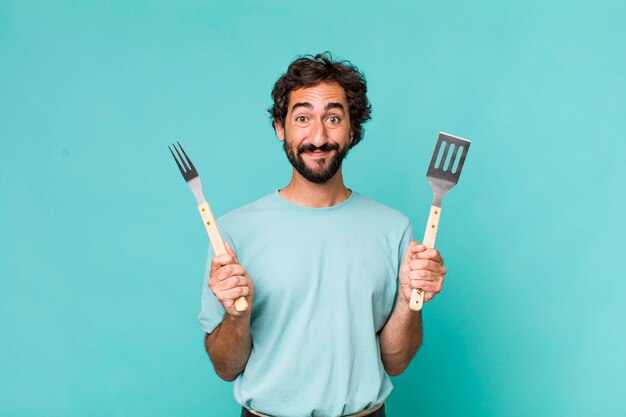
190 174
443 174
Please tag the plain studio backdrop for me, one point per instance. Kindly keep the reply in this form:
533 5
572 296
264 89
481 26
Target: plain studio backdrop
103 252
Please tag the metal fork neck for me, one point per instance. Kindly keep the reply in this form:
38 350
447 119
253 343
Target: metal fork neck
196 189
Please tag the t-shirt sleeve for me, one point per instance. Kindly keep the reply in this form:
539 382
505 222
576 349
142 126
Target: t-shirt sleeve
211 311
407 238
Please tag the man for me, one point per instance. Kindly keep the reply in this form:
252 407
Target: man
327 272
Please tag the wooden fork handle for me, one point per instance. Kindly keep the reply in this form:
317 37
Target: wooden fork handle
241 304
417 296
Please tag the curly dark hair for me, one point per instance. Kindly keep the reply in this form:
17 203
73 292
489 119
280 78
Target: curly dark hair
309 71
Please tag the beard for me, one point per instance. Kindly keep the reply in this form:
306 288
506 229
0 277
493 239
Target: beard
316 176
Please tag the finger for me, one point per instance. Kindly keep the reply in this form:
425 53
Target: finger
222 278
427 265
228 271
414 248
424 275
219 261
230 282
430 253
428 286
233 294
428 296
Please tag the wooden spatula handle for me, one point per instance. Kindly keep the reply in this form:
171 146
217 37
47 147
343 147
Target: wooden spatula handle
417 296
241 304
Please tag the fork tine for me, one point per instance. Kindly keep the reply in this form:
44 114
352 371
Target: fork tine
181 158
182 171
188 160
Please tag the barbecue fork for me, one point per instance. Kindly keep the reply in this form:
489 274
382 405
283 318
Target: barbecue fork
190 174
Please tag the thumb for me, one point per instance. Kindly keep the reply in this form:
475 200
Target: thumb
225 259
231 252
414 247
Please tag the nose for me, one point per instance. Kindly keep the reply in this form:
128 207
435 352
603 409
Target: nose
319 135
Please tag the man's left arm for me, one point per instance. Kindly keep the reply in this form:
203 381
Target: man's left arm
402 335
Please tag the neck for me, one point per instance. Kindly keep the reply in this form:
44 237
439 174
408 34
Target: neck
306 193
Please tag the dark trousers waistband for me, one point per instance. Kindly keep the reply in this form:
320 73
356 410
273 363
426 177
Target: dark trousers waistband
378 413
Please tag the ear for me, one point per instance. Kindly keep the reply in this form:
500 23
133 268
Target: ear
280 130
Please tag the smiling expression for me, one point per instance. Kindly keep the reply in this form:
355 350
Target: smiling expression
317 133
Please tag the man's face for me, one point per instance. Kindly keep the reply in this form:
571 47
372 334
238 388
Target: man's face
317 133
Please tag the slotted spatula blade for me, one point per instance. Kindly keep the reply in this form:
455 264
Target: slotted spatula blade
443 174
444 170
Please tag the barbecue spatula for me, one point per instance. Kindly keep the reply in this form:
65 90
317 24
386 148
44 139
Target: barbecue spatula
443 174
190 174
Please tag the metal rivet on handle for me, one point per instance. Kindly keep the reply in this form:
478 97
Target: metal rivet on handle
208 223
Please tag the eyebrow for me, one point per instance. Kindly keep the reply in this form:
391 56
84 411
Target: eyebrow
335 105
306 104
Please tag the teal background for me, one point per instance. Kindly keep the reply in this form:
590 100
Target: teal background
102 251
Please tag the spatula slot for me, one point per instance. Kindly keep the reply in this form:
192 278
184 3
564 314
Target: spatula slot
442 148
450 156
455 166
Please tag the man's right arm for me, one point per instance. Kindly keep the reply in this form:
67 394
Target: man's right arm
230 344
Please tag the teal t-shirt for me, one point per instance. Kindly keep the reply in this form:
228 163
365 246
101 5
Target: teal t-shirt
325 282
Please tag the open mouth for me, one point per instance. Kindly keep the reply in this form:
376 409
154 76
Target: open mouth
317 153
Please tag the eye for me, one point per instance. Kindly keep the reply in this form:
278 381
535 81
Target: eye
301 119
334 119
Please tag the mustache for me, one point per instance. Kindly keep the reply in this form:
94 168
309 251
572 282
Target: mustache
324 148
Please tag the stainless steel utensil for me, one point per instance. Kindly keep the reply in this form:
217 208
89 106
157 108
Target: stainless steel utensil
443 174
190 174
